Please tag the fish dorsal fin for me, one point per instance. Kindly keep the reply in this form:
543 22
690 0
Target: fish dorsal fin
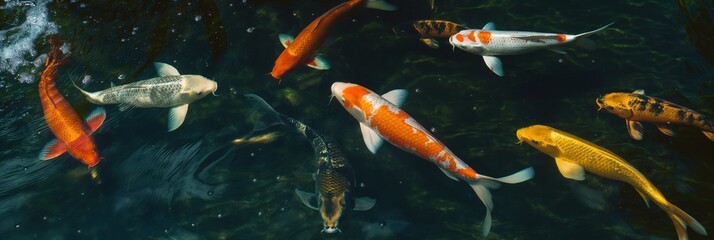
371 139
538 39
364 203
448 174
644 197
489 26
286 39
494 63
666 129
308 199
639 91
570 170
163 70
635 129
96 118
52 150
176 116
319 63
396 96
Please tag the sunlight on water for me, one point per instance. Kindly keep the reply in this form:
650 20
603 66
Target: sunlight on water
17 43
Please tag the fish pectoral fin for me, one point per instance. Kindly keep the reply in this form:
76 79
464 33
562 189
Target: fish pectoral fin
308 199
570 170
430 42
635 129
557 50
644 197
52 150
96 118
639 91
319 63
666 129
371 138
176 116
364 203
494 63
709 135
286 39
448 174
396 96
489 26
124 106
163 70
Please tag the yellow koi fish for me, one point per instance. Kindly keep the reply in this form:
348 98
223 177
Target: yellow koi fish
574 155
636 106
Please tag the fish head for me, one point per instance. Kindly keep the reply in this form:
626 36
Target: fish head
540 137
351 96
196 87
331 207
406 29
284 64
85 151
463 41
616 103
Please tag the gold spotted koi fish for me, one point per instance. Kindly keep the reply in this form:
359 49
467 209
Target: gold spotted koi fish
637 107
489 43
380 118
429 30
334 177
574 156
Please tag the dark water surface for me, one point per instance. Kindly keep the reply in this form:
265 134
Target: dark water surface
194 184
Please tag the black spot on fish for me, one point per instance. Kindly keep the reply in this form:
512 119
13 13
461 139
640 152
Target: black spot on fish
440 27
681 114
656 107
690 118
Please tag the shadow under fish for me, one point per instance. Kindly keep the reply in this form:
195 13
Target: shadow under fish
334 177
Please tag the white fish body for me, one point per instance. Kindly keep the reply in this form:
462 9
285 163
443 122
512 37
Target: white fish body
489 43
169 90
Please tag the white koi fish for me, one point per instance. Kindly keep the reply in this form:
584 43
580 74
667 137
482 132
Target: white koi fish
380 118
489 42
170 89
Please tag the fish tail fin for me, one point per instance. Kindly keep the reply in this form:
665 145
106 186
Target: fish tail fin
381 5
267 116
681 220
582 41
89 95
709 135
481 185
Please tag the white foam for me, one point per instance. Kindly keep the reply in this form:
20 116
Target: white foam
17 45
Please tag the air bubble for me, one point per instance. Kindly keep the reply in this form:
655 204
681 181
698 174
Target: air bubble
560 60
210 193
432 129
197 18
250 29
121 77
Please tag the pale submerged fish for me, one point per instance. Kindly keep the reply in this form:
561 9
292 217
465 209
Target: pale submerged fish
169 90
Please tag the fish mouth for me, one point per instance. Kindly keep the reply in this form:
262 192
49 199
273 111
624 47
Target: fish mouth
215 88
331 230
600 103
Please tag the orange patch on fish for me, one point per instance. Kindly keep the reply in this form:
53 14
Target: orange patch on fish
353 94
471 36
459 38
484 37
561 38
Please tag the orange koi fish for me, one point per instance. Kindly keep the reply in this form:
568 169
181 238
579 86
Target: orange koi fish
380 118
301 50
73 134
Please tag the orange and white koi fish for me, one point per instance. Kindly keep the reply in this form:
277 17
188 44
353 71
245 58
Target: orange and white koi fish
73 134
380 118
636 106
301 50
488 42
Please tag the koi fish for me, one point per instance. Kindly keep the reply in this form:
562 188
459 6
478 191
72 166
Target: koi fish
488 42
334 177
636 106
73 135
170 89
574 155
429 30
380 118
301 50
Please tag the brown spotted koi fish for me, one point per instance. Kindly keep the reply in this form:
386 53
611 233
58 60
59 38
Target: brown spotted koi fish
574 155
429 30
637 107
